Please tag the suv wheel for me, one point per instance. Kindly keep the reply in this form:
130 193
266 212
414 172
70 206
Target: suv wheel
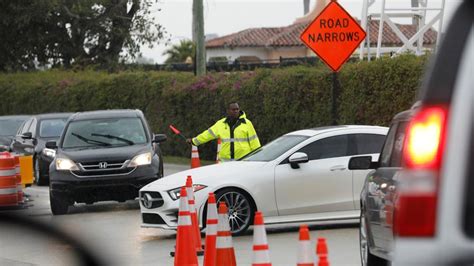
367 259
59 204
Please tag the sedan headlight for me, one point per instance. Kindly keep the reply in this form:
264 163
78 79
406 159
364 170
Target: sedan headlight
65 164
141 159
175 193
49 153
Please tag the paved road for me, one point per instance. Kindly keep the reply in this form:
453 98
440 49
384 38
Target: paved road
114 231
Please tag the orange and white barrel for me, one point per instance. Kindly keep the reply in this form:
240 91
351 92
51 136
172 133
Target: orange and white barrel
8 181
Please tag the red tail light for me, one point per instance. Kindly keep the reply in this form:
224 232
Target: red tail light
418 185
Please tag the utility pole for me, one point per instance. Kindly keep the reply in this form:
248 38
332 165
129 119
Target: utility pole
305 7
198 37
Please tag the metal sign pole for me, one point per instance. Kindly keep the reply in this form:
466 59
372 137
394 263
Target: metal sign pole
334 93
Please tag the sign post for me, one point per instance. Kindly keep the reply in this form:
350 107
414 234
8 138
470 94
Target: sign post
333 35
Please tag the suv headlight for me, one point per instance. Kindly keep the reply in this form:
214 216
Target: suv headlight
65 164
49 153
175 193
141 159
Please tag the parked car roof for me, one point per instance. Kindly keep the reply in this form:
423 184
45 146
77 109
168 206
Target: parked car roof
52 115
318 130
106 114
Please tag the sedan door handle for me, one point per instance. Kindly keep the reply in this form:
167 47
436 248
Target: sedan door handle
338 168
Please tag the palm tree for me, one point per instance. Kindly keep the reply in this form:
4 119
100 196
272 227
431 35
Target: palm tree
178 53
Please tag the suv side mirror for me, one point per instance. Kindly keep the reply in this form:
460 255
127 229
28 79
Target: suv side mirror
362 163
27 135
51 145
158 138
297 158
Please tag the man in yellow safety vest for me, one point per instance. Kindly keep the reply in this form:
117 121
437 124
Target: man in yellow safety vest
236 132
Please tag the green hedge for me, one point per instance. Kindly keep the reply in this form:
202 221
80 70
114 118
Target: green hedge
277 101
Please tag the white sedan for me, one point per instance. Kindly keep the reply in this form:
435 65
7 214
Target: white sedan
301 176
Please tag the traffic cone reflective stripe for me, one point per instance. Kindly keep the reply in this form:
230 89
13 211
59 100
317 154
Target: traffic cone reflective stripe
211 231
305 254
218 150
225 255
185 248
195 162
194 218
261 255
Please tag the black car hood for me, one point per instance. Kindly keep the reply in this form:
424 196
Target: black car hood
105 154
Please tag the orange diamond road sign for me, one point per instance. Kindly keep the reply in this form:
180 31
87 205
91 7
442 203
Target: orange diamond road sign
333 35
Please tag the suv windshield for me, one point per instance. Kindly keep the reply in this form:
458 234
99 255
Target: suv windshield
274 149
50 128
8 127
104 132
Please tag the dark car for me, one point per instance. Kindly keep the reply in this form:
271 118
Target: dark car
32 137
8 127
378 194
103 155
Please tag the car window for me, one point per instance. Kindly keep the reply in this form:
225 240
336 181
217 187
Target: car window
104 132
25 127
330 147
9 127
52 127
396 158
32 127
275 149
369 143
388 146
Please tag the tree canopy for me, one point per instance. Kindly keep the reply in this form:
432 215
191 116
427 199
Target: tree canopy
178 53
72 32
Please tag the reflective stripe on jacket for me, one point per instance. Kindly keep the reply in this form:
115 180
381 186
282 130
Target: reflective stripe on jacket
236 143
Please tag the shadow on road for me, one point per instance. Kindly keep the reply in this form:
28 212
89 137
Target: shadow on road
108 206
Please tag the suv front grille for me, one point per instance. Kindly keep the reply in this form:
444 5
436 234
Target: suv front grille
103 168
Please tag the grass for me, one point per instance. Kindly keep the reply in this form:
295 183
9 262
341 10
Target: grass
183 160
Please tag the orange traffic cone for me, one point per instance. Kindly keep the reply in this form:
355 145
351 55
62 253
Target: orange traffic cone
225 255
194 219
19 187
185 248
211 231
195 162
261 255
305 256
323 260
218 150
322 252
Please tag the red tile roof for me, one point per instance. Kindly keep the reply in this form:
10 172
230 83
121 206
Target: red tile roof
289 36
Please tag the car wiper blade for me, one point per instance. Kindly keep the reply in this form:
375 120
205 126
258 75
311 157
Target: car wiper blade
129 142
90 141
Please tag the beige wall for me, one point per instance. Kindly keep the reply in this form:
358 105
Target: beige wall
290 52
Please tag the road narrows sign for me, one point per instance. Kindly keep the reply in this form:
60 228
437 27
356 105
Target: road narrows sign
333 35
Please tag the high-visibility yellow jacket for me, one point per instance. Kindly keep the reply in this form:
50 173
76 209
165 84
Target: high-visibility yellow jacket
237 141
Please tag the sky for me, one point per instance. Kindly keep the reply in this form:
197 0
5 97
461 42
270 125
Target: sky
224 17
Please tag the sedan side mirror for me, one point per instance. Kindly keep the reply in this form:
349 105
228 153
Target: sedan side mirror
362 163
51 145
297 158
27 135
158 138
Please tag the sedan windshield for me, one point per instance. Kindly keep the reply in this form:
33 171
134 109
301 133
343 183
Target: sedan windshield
104 133
8 127
274 149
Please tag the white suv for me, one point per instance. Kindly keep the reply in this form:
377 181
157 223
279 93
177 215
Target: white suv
434 223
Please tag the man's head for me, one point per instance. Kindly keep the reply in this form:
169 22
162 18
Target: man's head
233 110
